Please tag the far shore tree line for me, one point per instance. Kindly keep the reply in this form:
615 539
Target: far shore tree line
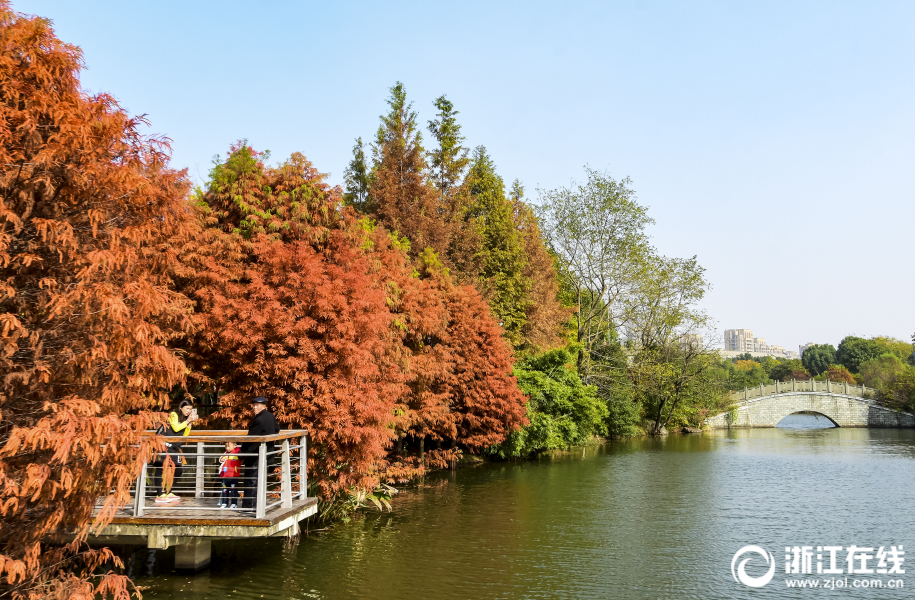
884 363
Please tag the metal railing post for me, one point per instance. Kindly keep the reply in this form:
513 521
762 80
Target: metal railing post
286 482
303 469
140 500
261 506
198 484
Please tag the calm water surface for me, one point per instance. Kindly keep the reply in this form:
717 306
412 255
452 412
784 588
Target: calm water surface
644 518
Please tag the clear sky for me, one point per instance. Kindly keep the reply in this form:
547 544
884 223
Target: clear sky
774 140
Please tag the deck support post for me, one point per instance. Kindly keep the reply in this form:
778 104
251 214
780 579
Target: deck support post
139 500
286 482
198 484
261 497
194 556
303 469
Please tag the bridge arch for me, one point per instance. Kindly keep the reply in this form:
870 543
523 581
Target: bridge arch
829 419
843 410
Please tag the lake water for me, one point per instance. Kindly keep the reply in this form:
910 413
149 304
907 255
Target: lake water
641 518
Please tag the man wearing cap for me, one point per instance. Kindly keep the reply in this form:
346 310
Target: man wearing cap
263 423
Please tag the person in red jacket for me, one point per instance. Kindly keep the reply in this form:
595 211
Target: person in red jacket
229 473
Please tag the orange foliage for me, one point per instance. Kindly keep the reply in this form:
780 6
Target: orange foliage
288 310
324 314
800 375
297 299
88 310
402 199
839 373
745 365
545 313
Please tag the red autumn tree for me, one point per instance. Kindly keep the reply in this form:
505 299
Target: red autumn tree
401 197
87 308
419 319
486 403
840 373
288 309
546 316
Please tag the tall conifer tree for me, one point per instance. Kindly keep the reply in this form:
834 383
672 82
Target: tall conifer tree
502 247
403 200
448 162
358 179
546 317
448 165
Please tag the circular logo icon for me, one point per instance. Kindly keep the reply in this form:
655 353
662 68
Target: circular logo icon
740 574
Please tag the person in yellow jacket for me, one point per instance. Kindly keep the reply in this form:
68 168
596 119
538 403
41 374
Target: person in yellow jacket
179 424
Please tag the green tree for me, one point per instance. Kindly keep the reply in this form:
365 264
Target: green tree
817 358
502 247
891 345
596 231
788 370
448 161
357 179
671 369
563 412
853 351
880 373
742 374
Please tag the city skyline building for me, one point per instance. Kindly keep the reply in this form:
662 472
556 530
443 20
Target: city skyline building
742 341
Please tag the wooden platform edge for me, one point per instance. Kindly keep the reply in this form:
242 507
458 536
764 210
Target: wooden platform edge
274 518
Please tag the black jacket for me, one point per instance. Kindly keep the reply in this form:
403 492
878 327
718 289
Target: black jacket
264 423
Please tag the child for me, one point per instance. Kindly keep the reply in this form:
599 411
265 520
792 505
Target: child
228 472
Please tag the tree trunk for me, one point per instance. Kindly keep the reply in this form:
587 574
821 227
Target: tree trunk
581 351
422 449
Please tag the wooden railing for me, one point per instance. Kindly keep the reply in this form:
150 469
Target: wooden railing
199 486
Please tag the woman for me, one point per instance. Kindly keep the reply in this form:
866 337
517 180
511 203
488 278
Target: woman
178 425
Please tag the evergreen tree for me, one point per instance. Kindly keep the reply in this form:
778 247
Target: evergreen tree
449 160
403 200
502 248
546 317
358 179
448 166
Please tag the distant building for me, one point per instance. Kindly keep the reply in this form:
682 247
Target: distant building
804 347
741 341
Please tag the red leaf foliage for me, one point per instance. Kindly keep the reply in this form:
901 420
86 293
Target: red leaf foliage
113 287
305 303
88 310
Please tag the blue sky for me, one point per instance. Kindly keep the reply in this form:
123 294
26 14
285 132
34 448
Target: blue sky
774 140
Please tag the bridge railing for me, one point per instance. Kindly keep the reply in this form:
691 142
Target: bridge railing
829 387
272 477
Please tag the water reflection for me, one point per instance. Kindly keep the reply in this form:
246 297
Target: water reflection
806 421
639 518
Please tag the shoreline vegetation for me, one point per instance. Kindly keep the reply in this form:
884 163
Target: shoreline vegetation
423 312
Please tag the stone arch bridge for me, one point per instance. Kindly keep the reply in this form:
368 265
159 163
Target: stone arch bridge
843 404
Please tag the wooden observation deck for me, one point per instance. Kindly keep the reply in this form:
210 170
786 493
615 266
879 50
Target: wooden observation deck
195 520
